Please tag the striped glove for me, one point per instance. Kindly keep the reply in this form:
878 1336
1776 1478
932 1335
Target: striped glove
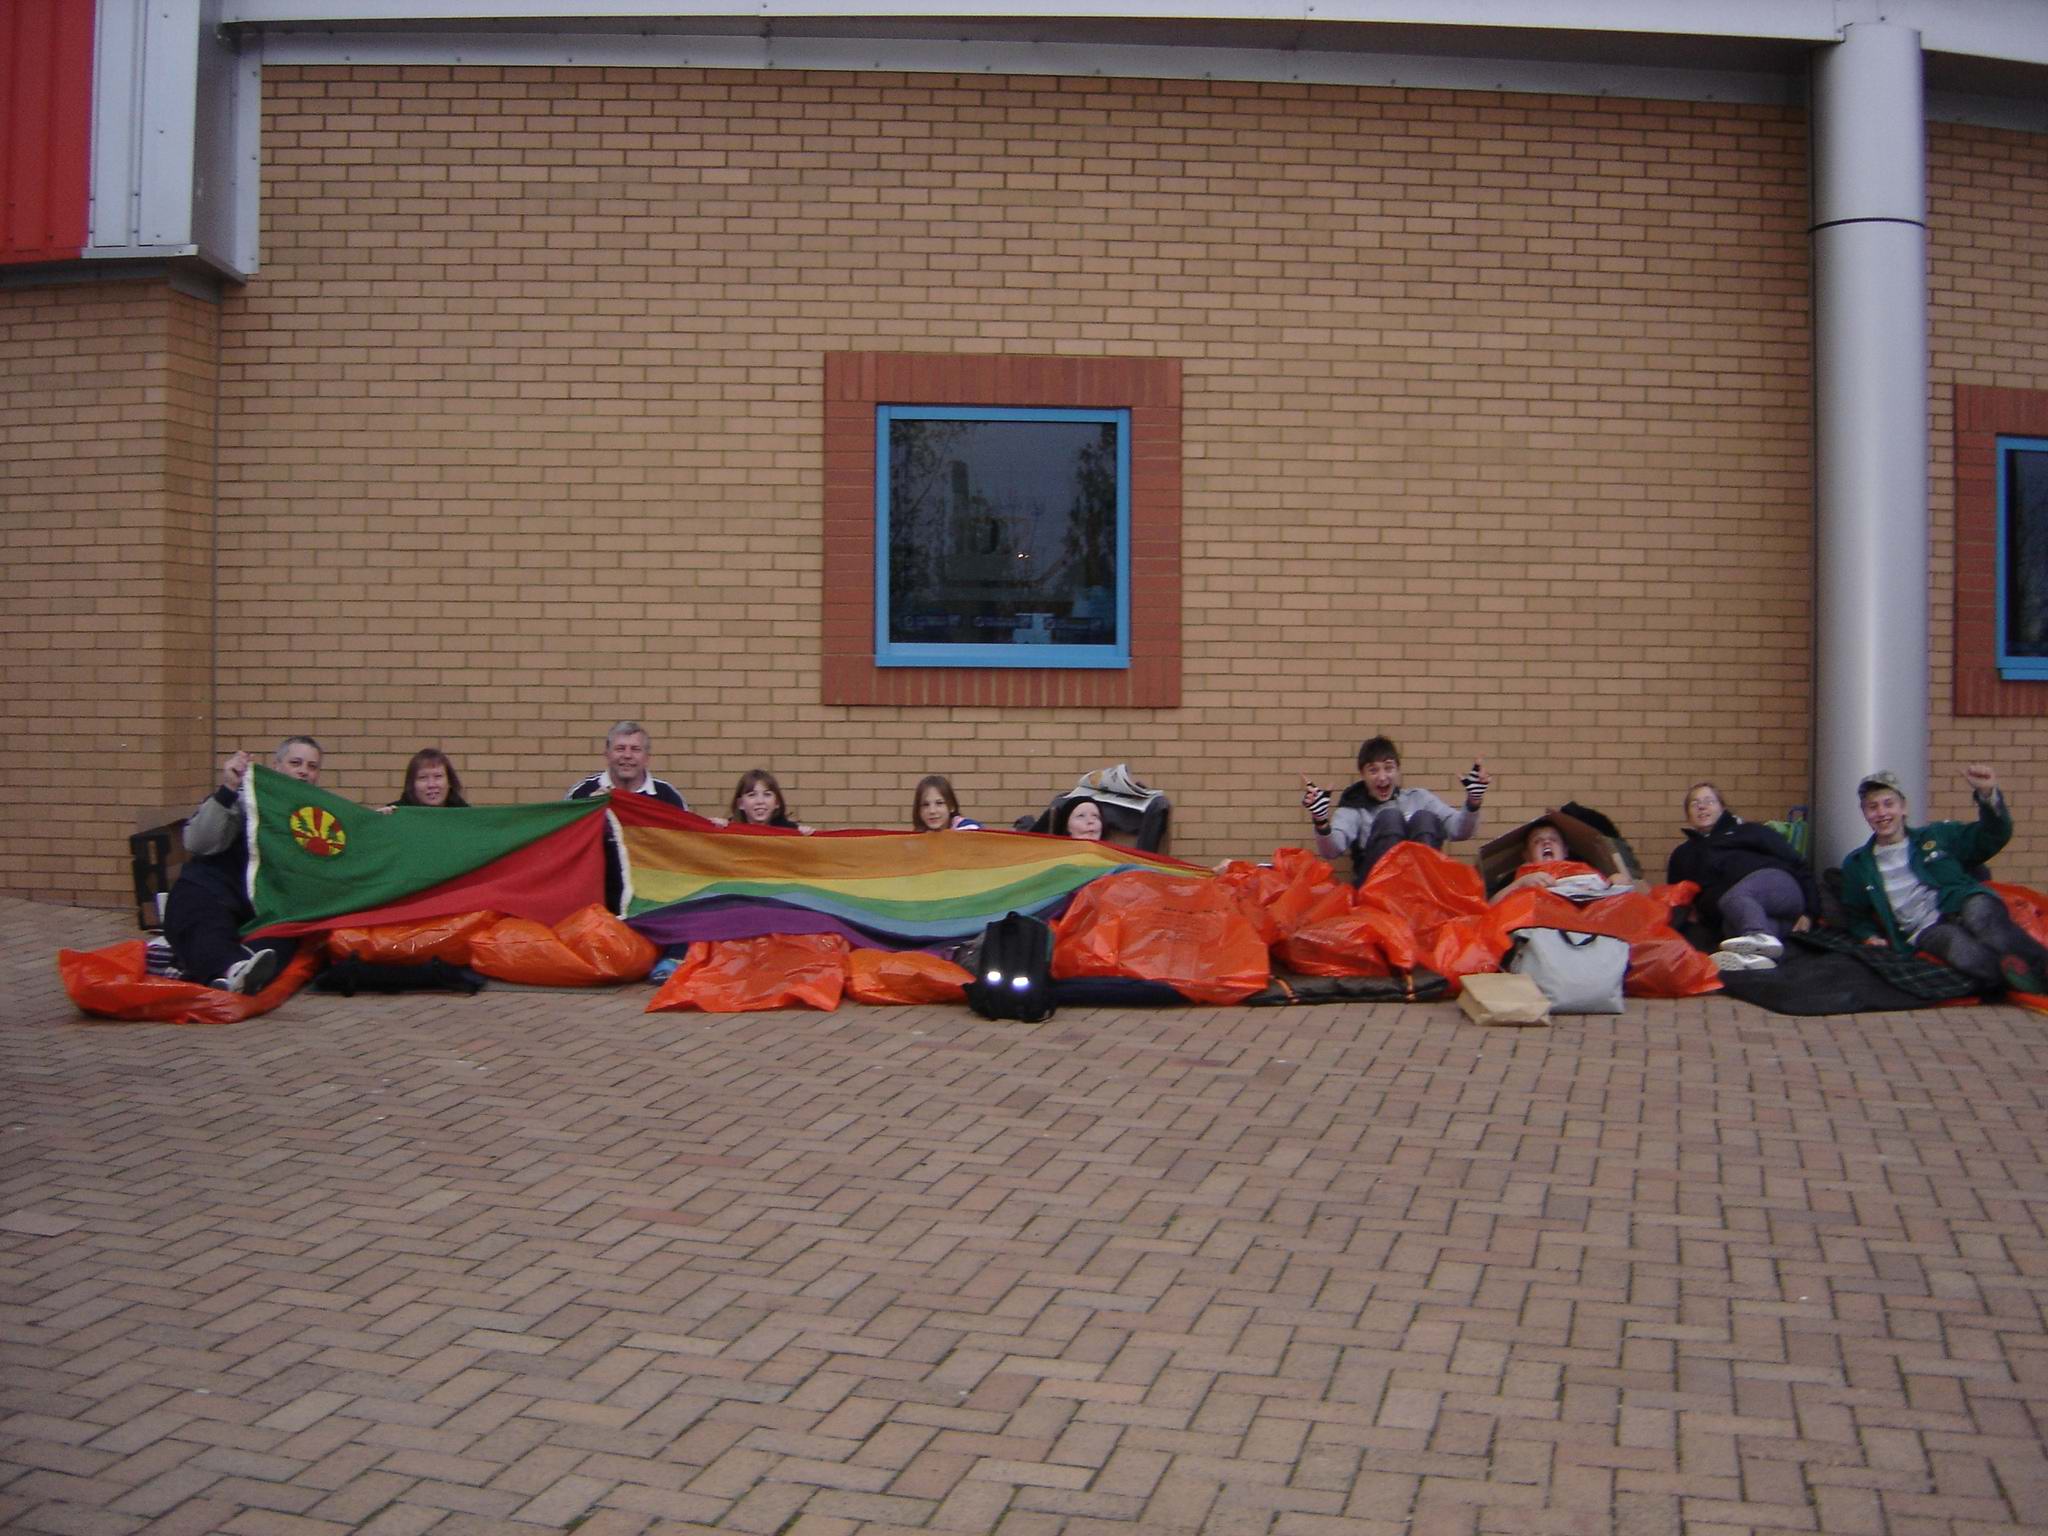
1316 802
1475 787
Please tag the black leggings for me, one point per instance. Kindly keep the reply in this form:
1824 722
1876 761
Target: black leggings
1980 935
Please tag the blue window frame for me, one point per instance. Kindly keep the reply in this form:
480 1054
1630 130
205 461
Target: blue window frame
1002 537
2023 557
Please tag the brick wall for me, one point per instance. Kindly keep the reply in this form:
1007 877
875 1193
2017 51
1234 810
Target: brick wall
1495 422
106 469
1486 401
1988 231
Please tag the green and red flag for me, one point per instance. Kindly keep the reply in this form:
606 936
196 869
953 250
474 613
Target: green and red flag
316 858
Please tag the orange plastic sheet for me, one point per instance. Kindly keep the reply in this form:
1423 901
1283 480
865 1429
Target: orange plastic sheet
430 938
1365 941
906 976
1297 889
589 947
778 970
1191 934
114 983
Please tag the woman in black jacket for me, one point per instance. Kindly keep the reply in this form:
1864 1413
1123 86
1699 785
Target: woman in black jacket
1753 884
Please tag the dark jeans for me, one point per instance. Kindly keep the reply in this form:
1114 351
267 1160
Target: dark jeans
203 925
1980 935
1388 828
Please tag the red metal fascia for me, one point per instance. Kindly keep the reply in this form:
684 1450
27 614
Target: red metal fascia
45 128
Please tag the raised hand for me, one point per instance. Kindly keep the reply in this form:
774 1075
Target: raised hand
1476 781
1316 801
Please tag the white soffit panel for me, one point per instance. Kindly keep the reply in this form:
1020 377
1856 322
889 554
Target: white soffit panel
1992 29
1985 57
1413 71
1809 19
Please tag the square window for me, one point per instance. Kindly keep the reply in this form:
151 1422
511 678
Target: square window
936 464
1002 537
2022 557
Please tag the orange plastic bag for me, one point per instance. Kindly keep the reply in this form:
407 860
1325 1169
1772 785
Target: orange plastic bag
778 970
2029 908
1189 933
1464 946
415 943
587 948
1366 941
907 976
608 944
1295 890
1423 888
114 983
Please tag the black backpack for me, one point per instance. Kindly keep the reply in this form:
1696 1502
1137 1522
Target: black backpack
1013 971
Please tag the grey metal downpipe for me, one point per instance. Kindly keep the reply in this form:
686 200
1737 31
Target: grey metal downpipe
1870 424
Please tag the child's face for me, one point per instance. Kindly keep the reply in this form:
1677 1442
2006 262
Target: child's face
430 784
1703 808
1085 822
1383 777
760 804
933 811
1546 845
1885 811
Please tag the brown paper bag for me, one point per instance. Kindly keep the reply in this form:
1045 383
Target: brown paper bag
1502 997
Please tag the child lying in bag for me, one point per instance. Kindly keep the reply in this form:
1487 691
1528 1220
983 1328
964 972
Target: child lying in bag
1547 864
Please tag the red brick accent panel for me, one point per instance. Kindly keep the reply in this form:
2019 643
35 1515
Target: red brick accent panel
1982 414
857 382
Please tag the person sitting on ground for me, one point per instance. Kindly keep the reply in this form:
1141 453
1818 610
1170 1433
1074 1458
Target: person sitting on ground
209 904
1547 864
1754 887
626 748
1376 812
758 802
1079 818
430 781
935 808
1916 888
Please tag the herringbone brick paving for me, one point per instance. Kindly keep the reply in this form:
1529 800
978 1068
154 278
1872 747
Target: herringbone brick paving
541 1262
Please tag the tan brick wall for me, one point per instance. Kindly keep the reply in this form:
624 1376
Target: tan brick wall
1488 401
107 398
1496 438
1988 299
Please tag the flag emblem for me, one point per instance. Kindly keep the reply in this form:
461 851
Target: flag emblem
318 832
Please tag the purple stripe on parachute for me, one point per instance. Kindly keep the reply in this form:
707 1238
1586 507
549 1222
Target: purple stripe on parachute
749 917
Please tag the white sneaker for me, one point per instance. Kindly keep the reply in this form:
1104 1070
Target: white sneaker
1736 960
251 975
1764 944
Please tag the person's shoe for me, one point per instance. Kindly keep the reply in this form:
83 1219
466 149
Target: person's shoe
663 969
1764 944
1737 960
252 975
2020 976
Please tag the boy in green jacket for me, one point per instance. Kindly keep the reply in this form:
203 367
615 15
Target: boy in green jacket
1911 887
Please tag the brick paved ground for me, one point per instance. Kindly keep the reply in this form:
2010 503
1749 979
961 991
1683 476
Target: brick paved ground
541 1262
